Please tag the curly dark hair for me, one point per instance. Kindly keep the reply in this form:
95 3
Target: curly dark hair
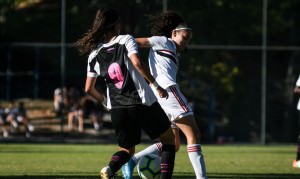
164 23
105 22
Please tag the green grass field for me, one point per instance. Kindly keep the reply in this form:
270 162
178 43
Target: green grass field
85 160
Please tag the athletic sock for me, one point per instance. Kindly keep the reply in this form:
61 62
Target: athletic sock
167 161
197 160
298 149
117 160
152 149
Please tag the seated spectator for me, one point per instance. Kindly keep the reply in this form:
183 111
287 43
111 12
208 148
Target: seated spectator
60 101
89 108
17 115
86 108
73 109
2 122
73 116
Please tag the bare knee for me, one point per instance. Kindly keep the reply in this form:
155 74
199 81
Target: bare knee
167 137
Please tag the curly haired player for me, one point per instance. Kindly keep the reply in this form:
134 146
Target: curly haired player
171 36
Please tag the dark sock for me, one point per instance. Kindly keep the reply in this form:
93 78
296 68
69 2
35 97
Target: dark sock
117 160
298 148
167 161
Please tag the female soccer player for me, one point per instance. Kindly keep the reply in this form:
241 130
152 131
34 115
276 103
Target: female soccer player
171 37
133 105
296 163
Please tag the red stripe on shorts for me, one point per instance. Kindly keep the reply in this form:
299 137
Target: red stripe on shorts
179 99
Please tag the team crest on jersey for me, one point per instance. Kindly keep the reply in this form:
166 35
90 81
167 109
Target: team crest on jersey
110 50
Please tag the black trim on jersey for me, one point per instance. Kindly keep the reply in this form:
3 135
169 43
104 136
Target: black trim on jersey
92 65
128 94
167 56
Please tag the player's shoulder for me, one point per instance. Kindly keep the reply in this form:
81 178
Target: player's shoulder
93 54
159 42
159 38
124 38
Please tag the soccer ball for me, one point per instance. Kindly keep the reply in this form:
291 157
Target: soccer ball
148 167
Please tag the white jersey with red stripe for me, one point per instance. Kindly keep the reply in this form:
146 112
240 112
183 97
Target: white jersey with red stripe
163 61
163 64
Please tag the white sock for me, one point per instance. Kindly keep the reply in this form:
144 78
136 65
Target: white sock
152 149
197 160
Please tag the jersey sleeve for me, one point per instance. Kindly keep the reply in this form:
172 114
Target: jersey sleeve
131 45
157 42
298 81
93 67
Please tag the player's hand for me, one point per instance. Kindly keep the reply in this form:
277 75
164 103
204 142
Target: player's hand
297 90
162 92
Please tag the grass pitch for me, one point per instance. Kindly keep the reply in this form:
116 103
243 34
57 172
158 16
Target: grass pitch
85 161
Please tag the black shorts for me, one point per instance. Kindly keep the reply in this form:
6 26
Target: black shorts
128 123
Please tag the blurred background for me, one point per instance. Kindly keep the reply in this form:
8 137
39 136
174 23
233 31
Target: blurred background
239 72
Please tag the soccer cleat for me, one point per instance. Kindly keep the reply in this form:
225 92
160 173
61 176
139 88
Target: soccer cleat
106 173
127 169
296 163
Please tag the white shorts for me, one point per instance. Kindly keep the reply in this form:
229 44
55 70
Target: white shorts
176 106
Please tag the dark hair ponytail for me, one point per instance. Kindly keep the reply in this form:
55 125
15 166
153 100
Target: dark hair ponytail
105 21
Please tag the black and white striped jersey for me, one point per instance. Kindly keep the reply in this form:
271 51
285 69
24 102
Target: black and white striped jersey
125 85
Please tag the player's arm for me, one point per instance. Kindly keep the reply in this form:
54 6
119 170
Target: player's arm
297 90
143 42
134 58
91 90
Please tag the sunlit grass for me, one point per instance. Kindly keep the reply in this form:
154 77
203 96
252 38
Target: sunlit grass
85 161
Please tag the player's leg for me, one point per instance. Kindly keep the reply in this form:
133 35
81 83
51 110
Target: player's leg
296 163
167 154
127 169
156 148
128 134
150 120
175 130
189 127
116 162
157 123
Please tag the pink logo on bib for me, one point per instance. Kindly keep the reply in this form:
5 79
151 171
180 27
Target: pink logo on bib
115 73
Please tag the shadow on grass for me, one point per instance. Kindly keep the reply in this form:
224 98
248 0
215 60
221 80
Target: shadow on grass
177 176
253 176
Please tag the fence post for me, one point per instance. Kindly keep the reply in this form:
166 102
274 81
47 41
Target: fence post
8 74
36 73
264 72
